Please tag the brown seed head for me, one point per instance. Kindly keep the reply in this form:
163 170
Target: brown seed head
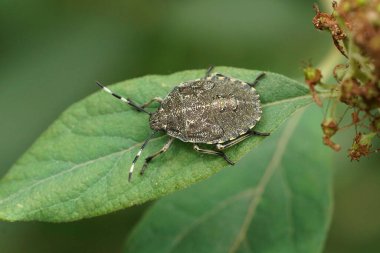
363 19
329 127
324 21
313 77
361 146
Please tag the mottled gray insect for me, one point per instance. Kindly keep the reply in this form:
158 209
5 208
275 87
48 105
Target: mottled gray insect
215 110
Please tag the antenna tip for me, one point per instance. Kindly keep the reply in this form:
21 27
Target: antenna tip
99 84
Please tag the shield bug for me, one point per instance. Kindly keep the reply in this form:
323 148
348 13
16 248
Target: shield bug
215 110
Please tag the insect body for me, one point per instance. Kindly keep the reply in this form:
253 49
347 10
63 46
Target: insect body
216 110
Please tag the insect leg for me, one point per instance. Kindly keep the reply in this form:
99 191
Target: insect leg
138 155
125 100
156 99
233 142
208 72
151 157
213 152
255 82
239 139
259 133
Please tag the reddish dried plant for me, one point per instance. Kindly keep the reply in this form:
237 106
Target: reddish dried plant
355 29
313 77
329 128
324 21
361 146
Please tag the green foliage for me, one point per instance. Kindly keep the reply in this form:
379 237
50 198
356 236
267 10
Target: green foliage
79 167
280 203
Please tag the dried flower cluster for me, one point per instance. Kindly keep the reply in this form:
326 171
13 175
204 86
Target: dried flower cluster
355 29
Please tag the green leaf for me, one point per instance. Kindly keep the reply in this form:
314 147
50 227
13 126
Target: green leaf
79 167
279 200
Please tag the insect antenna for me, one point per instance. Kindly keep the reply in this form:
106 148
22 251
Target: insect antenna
139 153
123 99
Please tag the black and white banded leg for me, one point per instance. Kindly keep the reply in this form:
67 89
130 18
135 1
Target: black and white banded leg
213 152
138 155
160 152
239 139
256 81
123 99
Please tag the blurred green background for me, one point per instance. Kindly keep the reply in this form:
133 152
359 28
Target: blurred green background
53 51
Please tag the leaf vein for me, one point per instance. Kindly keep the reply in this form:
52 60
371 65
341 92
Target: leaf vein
269 171
247 193
12 196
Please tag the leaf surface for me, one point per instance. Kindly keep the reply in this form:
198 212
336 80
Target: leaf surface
278 200
79 167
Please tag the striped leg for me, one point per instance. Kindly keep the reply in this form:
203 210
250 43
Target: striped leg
138 155
213 152
125 100
256 81
151 157
239 139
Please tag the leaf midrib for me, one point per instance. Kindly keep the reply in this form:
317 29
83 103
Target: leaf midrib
204 217
269 171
